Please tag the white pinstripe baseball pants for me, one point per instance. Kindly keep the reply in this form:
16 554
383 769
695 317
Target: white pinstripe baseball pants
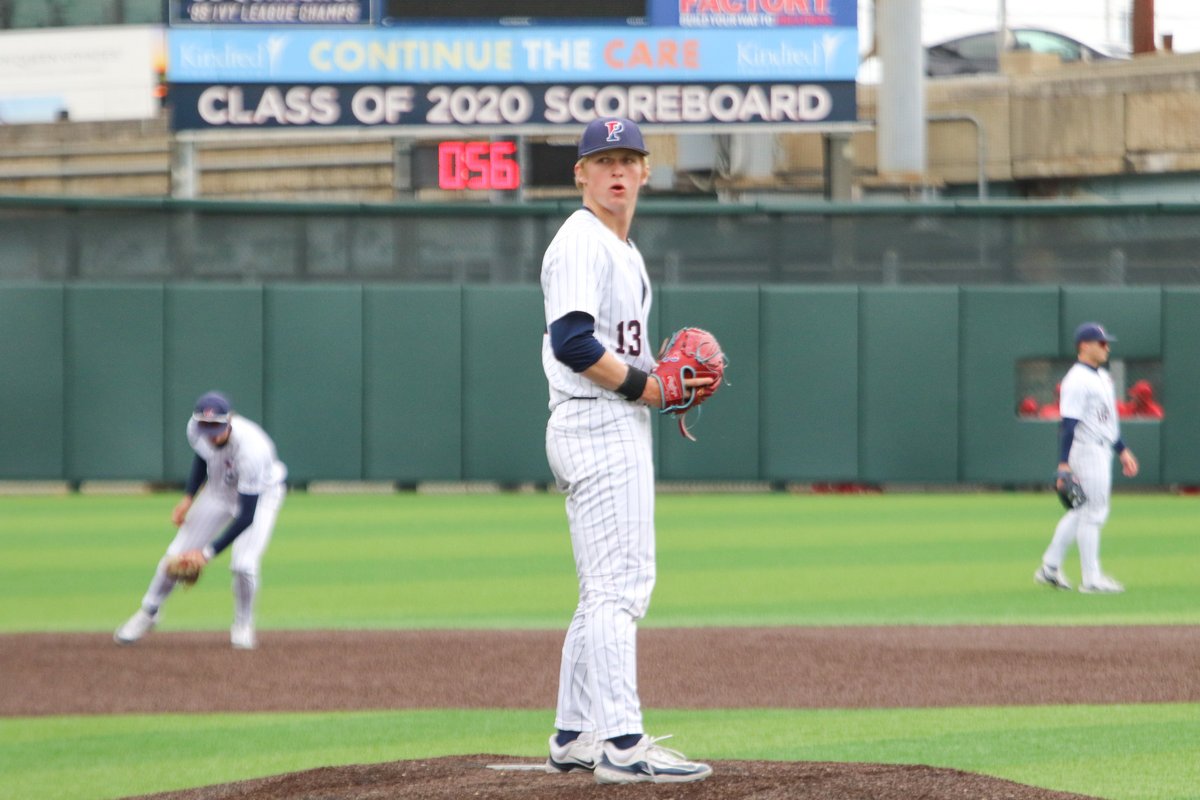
601 454
1092 465
206 519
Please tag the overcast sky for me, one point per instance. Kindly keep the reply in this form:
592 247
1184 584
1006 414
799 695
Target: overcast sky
1092 21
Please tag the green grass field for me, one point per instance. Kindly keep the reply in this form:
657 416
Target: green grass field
81 563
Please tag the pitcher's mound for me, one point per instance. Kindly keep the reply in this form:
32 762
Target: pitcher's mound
466 777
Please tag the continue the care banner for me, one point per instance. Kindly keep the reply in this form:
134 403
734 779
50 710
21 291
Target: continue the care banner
502 77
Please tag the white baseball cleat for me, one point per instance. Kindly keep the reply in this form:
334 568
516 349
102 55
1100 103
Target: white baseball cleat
647 762
1052 576
1102 585
582 753
242 637
135 627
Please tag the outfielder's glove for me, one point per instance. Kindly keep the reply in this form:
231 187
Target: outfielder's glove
688 353
1070 494
186 567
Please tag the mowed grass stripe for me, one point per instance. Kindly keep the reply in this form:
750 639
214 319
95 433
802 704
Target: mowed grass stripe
1122 752
492 561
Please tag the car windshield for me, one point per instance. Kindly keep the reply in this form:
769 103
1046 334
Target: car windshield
976 47
1045 42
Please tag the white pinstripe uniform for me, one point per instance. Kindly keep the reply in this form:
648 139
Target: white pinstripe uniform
246 464
599 448
1087 396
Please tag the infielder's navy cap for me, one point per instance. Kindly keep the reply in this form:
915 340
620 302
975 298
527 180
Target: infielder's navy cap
609 133
1092 332
212 407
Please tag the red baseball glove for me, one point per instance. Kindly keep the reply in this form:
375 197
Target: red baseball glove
688 353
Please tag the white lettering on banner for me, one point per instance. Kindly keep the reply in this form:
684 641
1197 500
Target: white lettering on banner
372 105
300 105
273 12
351 12
484 105
270 13
203 59
561 55
692 104
409 55
788 7
821 56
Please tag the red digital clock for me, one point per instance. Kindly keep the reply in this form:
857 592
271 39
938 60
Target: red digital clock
478 165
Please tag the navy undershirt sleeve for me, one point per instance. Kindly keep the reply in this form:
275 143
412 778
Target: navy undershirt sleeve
1066 435
573 340
247 503
196 477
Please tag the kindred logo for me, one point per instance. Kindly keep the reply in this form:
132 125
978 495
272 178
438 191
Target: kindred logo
615 129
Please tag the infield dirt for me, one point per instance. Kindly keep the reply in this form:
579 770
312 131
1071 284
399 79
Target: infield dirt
868 667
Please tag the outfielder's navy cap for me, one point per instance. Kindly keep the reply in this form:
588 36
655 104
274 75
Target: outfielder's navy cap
1092 332
212 407
609 133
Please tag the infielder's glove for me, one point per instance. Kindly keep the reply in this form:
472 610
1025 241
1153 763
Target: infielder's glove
186 567
688 353
1070 494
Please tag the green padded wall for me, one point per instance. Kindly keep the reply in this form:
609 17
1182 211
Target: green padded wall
504 392
32 403
726 427
809 382
910 392
214 340
409 383
1181 377
1001 326
312 367
412 383
114 382
1131 314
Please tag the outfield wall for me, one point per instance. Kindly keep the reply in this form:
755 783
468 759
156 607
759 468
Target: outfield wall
430 383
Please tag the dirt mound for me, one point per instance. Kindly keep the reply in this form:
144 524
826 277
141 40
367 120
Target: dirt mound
459 777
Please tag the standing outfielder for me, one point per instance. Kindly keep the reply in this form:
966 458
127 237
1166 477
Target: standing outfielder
243 489
1089 432
598 442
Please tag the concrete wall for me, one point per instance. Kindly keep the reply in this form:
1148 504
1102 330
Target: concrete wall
1070 123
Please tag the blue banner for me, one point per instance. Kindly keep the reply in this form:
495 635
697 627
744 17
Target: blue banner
532 55
269 12
465 106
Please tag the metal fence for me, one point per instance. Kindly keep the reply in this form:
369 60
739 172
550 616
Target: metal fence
967 243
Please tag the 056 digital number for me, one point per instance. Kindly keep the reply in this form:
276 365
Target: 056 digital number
478 165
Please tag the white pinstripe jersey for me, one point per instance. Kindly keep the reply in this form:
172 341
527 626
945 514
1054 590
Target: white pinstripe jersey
1088 396
587 268
246 464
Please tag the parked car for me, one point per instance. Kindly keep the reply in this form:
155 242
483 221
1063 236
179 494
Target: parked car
968 55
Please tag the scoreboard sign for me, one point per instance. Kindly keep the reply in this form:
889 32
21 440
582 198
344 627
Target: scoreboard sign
249 106
680 63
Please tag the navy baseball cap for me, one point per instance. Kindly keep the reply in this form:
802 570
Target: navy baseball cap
213 408
609 133
1092 332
